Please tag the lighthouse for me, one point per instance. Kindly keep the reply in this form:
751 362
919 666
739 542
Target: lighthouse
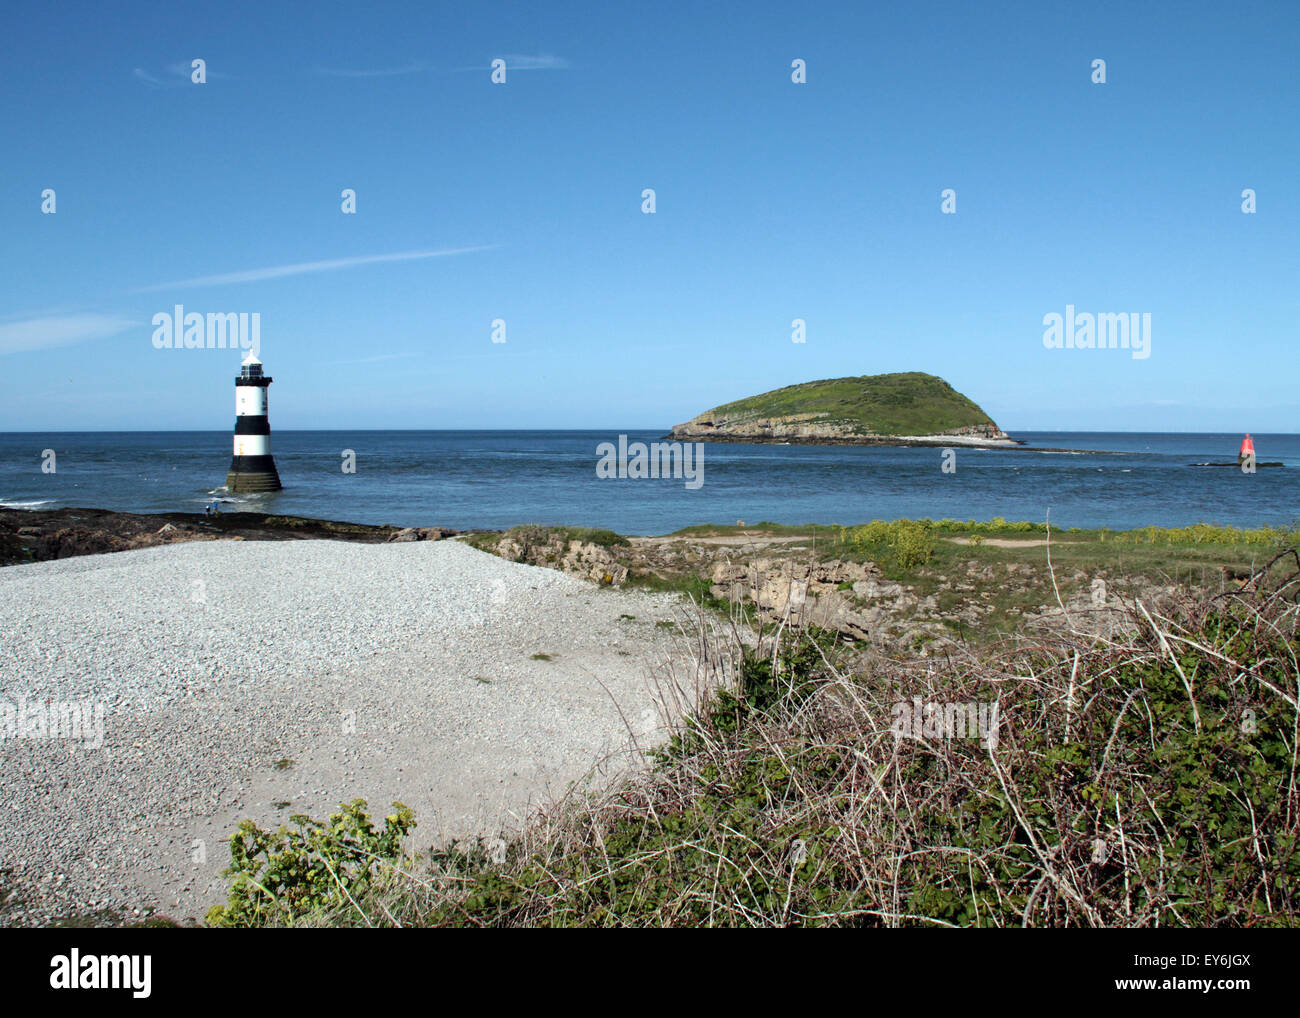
252 468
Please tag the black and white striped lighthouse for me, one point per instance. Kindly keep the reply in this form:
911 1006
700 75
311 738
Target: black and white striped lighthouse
252 468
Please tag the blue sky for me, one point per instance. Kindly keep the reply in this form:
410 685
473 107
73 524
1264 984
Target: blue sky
522 202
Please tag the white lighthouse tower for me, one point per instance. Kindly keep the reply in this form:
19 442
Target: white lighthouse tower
252 468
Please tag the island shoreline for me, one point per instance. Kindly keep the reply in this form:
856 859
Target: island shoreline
905 441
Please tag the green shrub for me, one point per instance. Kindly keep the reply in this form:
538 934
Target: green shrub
904 544
320 867
533 534
1206 533
596 535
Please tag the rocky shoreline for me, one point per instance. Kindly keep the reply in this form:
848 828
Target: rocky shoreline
44 535
906 441
802 429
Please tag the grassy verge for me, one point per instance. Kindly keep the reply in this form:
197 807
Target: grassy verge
1009 570
535 534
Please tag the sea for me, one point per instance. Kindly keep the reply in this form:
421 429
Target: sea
498 479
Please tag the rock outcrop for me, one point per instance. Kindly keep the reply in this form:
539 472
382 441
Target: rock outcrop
555 551
421 534
811 593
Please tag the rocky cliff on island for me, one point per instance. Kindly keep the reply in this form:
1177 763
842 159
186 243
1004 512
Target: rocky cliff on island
907 408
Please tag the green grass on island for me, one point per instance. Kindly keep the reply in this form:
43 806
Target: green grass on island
904 403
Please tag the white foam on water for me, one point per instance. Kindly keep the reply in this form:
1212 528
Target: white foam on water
36 504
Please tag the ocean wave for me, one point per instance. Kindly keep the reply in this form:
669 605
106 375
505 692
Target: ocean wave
32 504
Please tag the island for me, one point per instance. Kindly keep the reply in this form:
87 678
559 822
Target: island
902 408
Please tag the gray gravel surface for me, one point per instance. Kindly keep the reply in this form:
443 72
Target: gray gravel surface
262 679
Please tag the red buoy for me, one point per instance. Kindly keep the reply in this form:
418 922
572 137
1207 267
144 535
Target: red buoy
1247 446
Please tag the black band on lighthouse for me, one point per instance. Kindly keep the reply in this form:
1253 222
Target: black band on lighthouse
252 465
259 425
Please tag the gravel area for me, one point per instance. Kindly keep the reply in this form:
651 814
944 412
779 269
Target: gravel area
261 679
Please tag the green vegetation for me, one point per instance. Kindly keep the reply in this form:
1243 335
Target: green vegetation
904 544
697 588
289 874
900 546
331 526
1205 533
906 403
1002 565
765 528
980 579
1197 534
292 522
594 535
540 657
530 534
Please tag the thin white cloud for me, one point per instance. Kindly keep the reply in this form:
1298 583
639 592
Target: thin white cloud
540 62
178 74
54 312
141 75
305 268
382 72
184 69
63 330
525 62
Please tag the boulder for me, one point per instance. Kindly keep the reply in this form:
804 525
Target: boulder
510 549
420 534
593 562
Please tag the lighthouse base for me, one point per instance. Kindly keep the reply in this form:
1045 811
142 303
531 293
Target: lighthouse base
253 473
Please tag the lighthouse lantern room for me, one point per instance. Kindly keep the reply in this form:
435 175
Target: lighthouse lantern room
252 468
